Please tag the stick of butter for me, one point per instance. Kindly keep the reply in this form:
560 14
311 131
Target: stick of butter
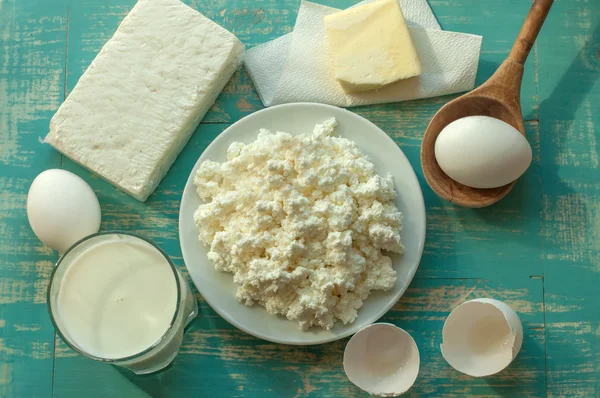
140 100
371 46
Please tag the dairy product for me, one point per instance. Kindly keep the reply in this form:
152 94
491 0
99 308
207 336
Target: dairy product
371 46
301 222
136 106
117 298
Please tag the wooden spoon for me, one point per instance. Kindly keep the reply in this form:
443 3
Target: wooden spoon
498 98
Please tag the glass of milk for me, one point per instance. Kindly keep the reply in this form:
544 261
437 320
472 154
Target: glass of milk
117 298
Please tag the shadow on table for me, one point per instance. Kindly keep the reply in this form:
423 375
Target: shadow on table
150 384
562 104
158 384
521 373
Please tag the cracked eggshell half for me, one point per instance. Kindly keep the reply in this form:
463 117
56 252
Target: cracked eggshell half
382 359
481 337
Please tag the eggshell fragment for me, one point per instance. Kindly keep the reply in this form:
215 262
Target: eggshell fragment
382 359
62 209
481 337
482 152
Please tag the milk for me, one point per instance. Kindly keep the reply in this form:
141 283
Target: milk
117 298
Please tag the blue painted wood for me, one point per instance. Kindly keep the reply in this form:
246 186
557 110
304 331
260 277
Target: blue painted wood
538 249
569 76
219 360
32 54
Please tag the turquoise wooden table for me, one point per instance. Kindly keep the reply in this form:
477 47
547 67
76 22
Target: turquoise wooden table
538 249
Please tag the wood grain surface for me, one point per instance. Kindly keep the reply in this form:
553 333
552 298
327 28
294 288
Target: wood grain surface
538 249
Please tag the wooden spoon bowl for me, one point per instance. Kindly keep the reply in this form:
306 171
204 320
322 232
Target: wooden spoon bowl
497 98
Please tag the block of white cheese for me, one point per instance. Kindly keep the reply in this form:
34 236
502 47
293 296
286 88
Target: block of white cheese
371 46
138 103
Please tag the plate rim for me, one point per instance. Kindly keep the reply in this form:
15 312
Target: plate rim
189 184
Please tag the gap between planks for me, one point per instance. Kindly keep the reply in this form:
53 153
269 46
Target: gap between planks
61 166
536 78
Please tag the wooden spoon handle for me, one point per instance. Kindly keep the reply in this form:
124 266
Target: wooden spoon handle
531 27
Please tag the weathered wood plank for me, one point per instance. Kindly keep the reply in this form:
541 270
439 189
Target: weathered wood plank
32 54
491 252
569 75
219 360
501 241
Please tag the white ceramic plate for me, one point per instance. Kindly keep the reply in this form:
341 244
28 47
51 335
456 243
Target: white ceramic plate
218 288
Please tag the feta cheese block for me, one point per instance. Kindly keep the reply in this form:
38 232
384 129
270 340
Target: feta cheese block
138 103
371 46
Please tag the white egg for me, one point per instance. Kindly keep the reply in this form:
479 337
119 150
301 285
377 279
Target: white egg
482 152
382 359
481 337
62 209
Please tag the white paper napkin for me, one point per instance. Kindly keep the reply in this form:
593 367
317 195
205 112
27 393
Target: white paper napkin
416 13
297 67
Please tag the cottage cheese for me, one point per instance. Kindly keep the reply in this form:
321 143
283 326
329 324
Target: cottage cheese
301 222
